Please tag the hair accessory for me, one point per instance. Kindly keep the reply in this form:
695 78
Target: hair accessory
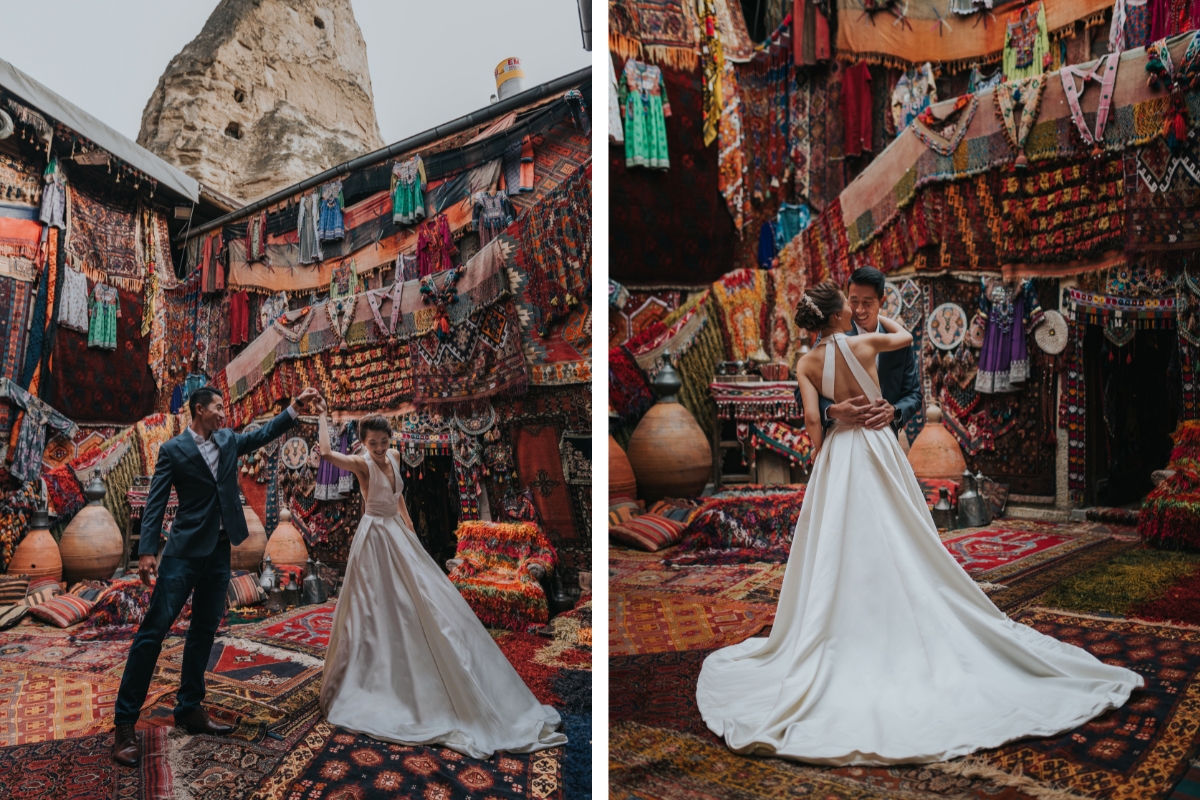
808 301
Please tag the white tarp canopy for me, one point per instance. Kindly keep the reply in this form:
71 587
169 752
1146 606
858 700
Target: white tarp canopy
62 110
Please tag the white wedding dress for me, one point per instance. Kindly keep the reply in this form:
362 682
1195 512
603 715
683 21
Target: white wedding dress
883 649
408 660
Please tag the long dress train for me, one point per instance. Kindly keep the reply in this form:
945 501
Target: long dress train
408 660
883 649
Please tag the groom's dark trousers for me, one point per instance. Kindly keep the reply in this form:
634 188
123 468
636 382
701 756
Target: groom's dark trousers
209 521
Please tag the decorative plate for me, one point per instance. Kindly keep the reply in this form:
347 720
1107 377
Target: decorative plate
1051 335
947 326
294 454
910 318
892 302
909 292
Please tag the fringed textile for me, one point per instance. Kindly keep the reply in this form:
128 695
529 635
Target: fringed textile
494 575
1170 514
102 242
745 303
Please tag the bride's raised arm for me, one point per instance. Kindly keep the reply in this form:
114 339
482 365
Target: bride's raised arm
895 337
339 460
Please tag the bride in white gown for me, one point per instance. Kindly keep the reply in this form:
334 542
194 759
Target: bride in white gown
408 661
883 649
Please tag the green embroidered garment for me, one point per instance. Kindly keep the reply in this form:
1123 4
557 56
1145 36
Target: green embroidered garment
644 97
104 308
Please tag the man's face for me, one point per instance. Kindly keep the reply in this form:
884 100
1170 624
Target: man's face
864 304
212 416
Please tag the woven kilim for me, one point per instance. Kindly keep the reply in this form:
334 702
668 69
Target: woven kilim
640 623
1000 550
660 748
83 769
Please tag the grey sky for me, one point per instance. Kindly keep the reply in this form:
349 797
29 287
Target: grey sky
430 61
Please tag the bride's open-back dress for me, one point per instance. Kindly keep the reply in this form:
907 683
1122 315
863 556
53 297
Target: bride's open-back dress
408 661
883 649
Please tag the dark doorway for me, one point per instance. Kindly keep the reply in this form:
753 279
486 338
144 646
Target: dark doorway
1132 406
431 493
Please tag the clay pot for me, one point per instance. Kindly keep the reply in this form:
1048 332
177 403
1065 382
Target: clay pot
249 554
936 455
286 546
621 482
668 451
37 555
91 546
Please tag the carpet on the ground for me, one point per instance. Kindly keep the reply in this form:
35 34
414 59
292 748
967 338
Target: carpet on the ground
82 769
659 746
643 622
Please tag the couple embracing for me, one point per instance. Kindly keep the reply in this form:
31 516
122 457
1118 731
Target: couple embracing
408 661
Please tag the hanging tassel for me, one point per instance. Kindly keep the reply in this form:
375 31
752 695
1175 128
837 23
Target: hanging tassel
1022 161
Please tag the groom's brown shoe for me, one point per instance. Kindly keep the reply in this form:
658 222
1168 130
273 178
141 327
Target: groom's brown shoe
125 746
199 722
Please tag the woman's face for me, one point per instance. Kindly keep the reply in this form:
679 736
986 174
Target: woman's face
377 443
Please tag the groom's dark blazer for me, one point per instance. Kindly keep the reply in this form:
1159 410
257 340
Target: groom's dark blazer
898 380
204 503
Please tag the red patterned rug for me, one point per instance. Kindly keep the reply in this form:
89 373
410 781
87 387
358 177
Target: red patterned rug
995 547
641 623
659 747
83 769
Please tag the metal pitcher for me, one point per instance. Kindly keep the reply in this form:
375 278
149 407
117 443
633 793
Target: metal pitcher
313 585
943 514
267 580
970 511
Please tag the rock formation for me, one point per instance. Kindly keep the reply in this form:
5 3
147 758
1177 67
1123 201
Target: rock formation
269 93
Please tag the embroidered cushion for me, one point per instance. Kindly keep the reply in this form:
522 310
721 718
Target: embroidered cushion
12 614
13 589
494 574
650 532
89 590
244 590
678 510
63 610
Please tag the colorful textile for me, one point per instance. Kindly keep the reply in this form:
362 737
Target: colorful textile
481 357
66 494
73 305
731 180
1133 312
102 241
31 439
745 301
629 392
82 767
650 347
649 532
539 465
790 282
494 578
1004 357
330 222
760 400
646 107
856 106
62 611
1107 81
1162 195
435 246
712 69
1025 43
408 191
951 129
616 131
1170 514
306 228
244 590
741 529
781 438
493 213
104 309
641 623
1028 93
668 32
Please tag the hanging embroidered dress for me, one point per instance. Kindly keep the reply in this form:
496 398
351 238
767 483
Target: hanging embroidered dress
330 226
330 479
408 191
493 212
435 246
1004 358
306 228
31 438
103 313
518 167
54 197
73 305
912 95
1026 43
408 267
646 109
790 222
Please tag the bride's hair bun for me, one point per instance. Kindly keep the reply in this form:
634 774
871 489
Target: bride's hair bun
818 304
375 422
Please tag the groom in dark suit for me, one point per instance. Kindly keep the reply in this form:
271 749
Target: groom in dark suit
201 463
898 378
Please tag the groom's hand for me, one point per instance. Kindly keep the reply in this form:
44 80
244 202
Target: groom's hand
305 398
882 414
147 568
855 411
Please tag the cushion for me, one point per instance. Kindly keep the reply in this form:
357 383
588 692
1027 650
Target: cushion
13 589
89 590
63 610
34 599
622 509
650 532
12 614
678 510
244 590
519 507
37 584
